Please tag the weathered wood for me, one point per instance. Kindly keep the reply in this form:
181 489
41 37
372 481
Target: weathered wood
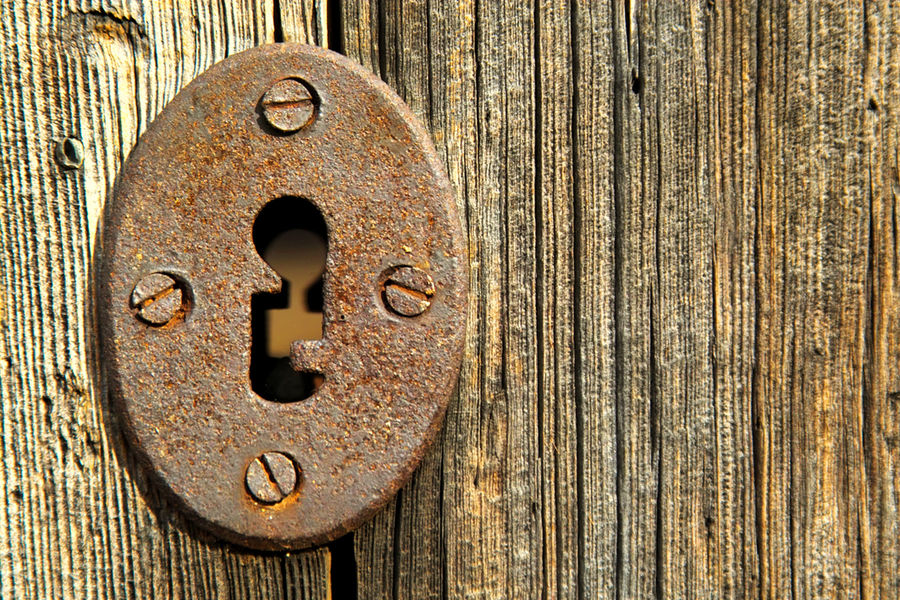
74 524
827 453
301 21
681 377
879 398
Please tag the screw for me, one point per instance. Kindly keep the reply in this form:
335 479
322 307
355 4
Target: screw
69 153
408 291
289 105
271 477
158 298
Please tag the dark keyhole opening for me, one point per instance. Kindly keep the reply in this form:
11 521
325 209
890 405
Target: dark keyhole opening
290 235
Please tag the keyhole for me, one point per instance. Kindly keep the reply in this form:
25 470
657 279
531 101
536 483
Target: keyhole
290 235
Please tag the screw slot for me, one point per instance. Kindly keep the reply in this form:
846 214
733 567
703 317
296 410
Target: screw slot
407 291
289 105
272 477
160 299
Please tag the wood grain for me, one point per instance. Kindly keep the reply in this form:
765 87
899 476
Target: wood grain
75 523
681 373
827 309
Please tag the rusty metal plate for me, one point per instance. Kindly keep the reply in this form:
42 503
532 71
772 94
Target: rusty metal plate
179 269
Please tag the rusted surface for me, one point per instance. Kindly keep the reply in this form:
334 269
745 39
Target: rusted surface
185 206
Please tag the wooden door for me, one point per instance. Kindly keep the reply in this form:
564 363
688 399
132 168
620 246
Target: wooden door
681 378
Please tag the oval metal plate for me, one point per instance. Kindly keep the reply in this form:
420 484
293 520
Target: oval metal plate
185 205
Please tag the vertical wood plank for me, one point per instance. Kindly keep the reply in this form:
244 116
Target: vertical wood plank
76 523
595 247
301 21
635 273
730 101
555 311
681 302
492 487
880 527
814 272
667 258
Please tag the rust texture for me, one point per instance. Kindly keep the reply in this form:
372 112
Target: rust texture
183 215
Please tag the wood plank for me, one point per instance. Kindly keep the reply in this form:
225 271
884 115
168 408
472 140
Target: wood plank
729 99
817 276
666 304
880 525
562 368
301 21
76 522
599 347
496 92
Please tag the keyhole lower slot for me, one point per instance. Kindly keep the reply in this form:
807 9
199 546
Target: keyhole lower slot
290 235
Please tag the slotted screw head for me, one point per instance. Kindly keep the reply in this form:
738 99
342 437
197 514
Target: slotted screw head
271 477
158 298
408 291
289 105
